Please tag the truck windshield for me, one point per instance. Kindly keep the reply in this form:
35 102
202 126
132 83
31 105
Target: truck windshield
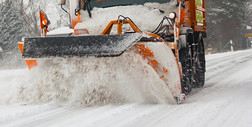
111 3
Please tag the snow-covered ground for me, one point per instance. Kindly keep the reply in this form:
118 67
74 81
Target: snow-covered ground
224 101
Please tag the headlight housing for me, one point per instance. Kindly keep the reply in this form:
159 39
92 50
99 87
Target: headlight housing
172 16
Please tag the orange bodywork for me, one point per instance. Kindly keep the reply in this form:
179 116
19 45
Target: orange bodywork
146 53
21 45
141 49
187 17
76 21
80 31
119 24
44 22
30 62
156 36
190 15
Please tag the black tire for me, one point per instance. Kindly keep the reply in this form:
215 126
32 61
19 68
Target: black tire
199 76
185 60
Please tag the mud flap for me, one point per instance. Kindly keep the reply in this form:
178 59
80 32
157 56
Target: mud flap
80 46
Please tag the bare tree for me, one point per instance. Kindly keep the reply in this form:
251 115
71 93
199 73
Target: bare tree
29 10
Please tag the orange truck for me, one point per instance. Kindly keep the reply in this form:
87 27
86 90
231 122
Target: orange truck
182 35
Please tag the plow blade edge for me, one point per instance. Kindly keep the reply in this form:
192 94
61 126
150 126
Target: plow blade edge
80 46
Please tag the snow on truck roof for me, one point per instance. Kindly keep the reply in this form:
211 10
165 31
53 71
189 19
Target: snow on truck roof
111 3
61 31
147 17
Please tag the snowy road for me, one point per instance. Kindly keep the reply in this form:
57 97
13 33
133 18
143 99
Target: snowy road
225 101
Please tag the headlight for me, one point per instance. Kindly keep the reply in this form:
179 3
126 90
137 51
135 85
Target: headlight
172 16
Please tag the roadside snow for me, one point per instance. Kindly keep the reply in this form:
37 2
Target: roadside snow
225 54
9 82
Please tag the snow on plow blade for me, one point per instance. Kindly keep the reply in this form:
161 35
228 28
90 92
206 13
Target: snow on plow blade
80 46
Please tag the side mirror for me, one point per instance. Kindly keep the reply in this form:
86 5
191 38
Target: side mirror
62 2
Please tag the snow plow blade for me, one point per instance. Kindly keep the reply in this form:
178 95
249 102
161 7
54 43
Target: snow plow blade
79 46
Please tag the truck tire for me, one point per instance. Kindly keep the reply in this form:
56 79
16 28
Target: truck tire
199 76
185 60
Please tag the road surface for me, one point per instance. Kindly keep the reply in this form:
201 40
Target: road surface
225 101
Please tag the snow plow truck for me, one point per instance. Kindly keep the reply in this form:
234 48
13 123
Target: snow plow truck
168 34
